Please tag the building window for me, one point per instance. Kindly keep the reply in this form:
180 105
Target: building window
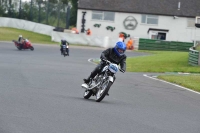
190 22
99 15
198 21
150 19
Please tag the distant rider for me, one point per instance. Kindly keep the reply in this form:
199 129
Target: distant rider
89 32
21 41
64 42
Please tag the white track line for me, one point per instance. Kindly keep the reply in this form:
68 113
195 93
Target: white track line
171 84
90 60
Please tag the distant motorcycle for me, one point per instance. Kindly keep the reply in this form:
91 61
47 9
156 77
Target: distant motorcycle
65 50
101 83
27 45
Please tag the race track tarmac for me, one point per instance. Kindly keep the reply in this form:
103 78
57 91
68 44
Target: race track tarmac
40 92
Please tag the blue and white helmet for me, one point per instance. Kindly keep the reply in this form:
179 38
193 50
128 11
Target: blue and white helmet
120 48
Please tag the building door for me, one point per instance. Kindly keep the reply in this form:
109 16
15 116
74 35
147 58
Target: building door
161 36
158 34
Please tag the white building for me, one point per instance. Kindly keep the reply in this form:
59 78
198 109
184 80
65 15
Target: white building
172 20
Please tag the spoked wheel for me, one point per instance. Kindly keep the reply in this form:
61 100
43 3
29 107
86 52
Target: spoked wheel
31 48
87 94
103 90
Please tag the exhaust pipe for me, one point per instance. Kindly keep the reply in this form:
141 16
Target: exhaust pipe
85 86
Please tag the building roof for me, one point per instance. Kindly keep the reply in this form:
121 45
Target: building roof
188 8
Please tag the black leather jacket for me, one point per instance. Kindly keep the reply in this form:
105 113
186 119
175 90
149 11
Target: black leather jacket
110 55
20 39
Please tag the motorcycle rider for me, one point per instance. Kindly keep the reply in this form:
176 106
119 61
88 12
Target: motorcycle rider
64 42
21 41
115 55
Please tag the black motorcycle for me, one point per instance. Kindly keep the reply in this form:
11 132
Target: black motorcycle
65 50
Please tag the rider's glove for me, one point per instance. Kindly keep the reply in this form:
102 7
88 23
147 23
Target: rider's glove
122 70
103 58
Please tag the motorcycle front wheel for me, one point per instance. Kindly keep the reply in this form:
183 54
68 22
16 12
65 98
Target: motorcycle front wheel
103 90
31 48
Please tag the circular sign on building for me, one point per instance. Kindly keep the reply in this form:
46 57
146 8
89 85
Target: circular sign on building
130 23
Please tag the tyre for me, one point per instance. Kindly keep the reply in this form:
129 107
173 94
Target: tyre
31 48
87 94
18 47
64 52
102 92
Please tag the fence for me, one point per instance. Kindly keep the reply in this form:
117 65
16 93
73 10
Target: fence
148 44
82 39
194 57
54 14
26 25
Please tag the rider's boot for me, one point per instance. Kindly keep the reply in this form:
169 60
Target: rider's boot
21 46
86 80
92 75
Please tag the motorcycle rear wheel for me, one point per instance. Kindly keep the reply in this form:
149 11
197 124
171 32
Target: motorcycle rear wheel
64 52
18 47
87 94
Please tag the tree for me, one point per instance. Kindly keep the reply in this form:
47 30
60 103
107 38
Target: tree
65 1
73 16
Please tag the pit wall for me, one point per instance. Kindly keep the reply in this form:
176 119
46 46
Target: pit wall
81 39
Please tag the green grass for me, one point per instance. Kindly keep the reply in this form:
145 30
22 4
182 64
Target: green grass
189 81
198 48
9 34
162 61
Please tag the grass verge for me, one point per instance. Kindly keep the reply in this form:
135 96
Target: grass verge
189 81
198 48
9 34
162 61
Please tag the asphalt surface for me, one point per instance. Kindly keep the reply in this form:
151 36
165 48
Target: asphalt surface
40 92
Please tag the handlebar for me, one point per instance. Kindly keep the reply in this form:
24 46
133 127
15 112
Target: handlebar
107 61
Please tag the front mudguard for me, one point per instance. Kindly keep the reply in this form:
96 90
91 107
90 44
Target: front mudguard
111 79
